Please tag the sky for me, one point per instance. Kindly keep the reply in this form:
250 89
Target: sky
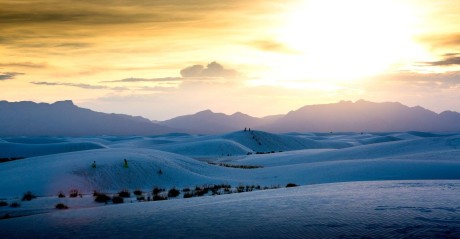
165 58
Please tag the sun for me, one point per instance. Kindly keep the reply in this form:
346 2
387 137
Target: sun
338 41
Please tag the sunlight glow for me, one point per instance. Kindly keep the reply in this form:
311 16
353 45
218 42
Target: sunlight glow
343 41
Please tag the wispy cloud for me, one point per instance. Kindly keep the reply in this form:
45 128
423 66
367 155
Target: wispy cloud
449 60
23 64
272 46
442 40
9 75
79 85
131 80
446 80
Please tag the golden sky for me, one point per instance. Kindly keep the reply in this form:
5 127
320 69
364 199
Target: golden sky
165 58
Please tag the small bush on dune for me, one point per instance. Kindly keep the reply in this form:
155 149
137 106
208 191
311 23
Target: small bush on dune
124 193
159 198
3 204
15 204
290 185
173 192
157 190
188 195
61 206
101 197
61 195
73 193
28 196
138 192
117 199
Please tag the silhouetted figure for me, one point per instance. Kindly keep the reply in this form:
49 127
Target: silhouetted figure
160 172
249 129
93 165
244 129
126 163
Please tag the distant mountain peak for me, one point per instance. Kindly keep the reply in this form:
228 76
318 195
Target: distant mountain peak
64 103
208 111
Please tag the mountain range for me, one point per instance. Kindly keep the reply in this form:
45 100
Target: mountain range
63 118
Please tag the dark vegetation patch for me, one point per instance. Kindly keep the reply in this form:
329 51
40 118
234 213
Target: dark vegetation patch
173 192
61 206
236 166
290 185
4 160
101 197
3 204
28 196
157 190
124 193
117 200
74 193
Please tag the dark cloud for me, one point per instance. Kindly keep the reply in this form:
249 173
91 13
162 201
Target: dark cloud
102 12
79 85
449 60
130 80
9 75
213 70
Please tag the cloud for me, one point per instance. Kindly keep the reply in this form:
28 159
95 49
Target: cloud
442 40
9 75
449 60
195 73
446 80
213 70
272 46
23 64
130 80
82 86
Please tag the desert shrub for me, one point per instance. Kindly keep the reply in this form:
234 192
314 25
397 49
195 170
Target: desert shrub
137 192
15 204
140 198
188 195
117 199
6 216
101 197
28 196
157 190
61 195
158 197
186 190
173 192
124 193
290 185
61 206
3 204
73 193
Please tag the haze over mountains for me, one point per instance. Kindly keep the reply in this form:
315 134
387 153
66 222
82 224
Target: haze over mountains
63 118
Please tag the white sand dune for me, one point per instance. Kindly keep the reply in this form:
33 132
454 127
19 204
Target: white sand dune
22 150
392 209
306 159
